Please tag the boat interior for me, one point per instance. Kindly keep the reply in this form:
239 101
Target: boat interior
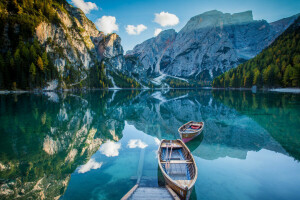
191 127
177 162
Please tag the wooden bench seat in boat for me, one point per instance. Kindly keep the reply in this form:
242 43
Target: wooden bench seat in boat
173 145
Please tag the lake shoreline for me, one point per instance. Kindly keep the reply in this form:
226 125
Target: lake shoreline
281 90
286 90
93 89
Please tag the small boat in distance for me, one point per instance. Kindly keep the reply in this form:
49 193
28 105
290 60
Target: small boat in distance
190 130
178 167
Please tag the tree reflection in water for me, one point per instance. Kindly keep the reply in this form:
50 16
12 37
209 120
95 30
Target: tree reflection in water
44 138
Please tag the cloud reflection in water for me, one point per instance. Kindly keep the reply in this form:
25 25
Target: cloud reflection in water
110 148
133 143
92 164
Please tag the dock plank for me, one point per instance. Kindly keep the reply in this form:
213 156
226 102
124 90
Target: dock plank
151 193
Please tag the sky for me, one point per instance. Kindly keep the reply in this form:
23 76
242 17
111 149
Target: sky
138 20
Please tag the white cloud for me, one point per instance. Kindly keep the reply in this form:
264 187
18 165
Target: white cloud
110 148
157 31
166 19
107 24
92 164
86 7
136 143
135 30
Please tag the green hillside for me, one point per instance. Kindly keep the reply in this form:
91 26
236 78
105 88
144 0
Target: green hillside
25 63
276 66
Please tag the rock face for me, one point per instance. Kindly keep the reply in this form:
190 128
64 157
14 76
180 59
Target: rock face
209 44
111 50
73 43
77 42
151 52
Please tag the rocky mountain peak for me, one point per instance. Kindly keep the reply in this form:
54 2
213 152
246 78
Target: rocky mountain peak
166 37
167 33
243 17
215 18
110 48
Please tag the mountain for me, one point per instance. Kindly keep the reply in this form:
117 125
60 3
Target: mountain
208 45
276 66
51 44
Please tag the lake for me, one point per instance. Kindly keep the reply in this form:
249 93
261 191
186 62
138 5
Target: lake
94 145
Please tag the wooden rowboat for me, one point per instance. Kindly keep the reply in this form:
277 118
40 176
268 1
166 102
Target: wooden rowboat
178 167
190 130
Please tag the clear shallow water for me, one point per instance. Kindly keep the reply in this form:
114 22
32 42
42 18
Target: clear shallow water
95 145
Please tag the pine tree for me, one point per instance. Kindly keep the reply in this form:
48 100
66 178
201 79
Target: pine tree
32 71
268 76
296 59
233 81
45 59
257 78
24 52
287 77
296 76
17 57
33 53
227 80
248 80
1 72
40 63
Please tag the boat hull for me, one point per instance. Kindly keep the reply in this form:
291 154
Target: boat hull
186 137
182 193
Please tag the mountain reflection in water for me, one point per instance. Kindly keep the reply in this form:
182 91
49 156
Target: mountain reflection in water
88 145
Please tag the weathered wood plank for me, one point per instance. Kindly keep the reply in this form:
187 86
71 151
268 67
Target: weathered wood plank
129 193
173 194
151 193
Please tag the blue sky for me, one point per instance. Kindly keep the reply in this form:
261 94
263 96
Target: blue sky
135 12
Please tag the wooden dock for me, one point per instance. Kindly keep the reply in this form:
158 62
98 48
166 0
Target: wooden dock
145 189
147 193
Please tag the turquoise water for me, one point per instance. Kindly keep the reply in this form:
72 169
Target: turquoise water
95 145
